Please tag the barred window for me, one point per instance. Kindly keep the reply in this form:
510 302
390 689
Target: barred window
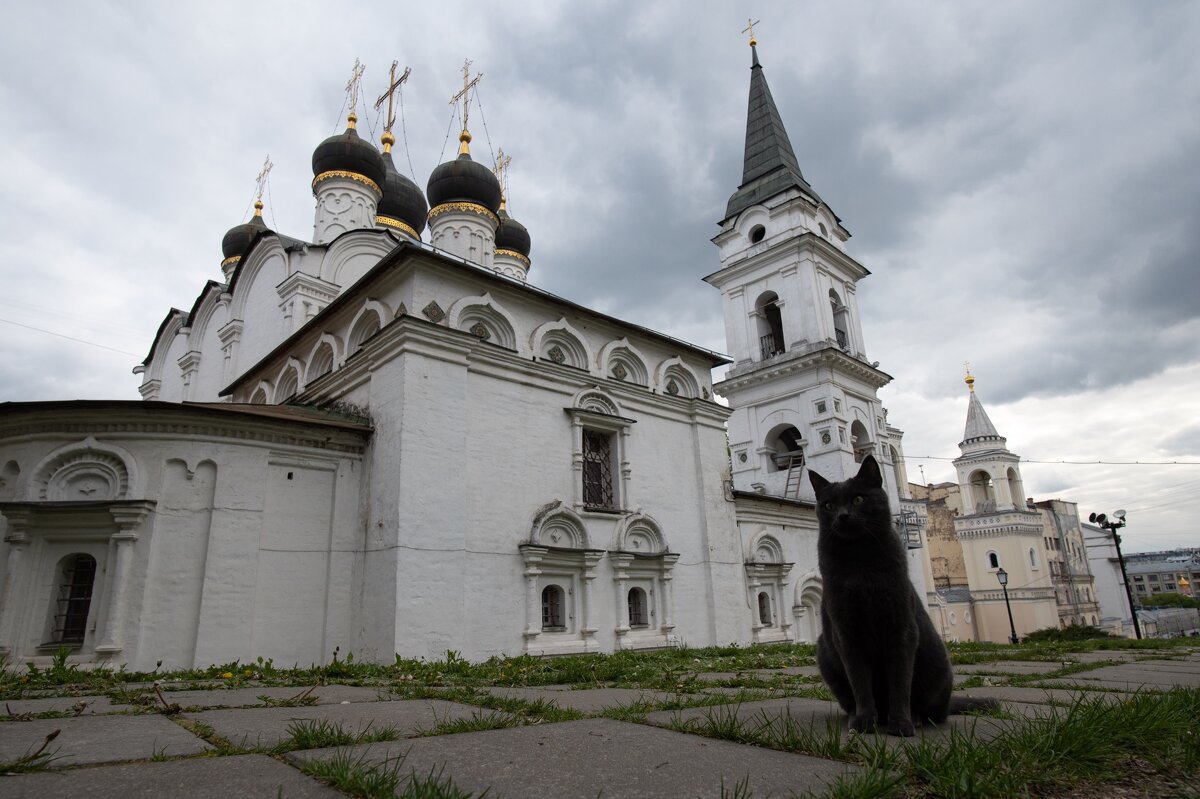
74 599
597 469
637 608
764 609
552 608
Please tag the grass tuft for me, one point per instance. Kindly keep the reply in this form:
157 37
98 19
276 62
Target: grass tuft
356 776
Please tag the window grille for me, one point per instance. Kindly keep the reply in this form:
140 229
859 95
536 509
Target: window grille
74 599
552 608
769 345
637 608
764 609
597 470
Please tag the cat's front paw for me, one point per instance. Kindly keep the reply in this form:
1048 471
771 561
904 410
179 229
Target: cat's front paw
862 722
902 727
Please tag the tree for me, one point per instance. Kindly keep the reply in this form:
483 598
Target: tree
1169 599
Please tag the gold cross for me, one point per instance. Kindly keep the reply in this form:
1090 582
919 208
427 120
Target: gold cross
262 176
393 85
352 85
501 170
750 30
967 366
468 84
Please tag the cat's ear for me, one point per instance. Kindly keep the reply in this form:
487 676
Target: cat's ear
869 471
818 482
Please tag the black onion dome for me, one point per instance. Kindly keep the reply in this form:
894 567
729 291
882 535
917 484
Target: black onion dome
347 152
402 199
239 237
464 180
512 235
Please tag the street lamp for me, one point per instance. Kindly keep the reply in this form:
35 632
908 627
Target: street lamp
1002 576
1112 526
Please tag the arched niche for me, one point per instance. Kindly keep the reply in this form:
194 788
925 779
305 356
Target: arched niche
558 526
621 361
639 534
675 379
86 471
559 342
324 358
596 400
485 319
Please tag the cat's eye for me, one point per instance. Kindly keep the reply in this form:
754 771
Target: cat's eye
858 499
827 505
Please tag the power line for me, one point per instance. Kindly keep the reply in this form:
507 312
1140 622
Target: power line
69 338
1069 463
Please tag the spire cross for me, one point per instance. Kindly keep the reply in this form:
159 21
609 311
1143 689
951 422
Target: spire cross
352 85
468 84
262 177
393 85
750 30
501 171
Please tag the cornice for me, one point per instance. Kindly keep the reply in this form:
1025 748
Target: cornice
149 424
829 356
333 174
792 248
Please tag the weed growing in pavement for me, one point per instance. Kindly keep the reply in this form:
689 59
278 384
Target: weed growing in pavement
322 733
35 760
355 775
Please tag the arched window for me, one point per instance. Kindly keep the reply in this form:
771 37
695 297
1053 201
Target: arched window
787 448
770 325
638 617
983 492
764 608
552 608
993 560
1032 559
861 440
841 320
1015 489
73 600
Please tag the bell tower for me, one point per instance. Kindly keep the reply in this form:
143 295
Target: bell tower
802 387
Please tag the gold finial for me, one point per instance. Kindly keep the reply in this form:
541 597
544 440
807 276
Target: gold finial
750 30
352 87
388 140
393 86
261 180
969 379
465 95
500 170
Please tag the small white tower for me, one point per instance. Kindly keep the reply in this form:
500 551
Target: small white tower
988 473
802 387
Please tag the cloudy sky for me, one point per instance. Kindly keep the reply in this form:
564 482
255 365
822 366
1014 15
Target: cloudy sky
1020 177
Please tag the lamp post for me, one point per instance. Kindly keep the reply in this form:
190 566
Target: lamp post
1116 523
1002 576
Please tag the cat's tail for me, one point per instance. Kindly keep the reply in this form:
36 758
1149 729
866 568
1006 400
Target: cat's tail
963 704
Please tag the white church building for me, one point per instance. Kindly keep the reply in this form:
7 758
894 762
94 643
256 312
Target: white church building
384 438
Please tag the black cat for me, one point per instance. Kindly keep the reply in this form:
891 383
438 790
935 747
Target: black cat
878 651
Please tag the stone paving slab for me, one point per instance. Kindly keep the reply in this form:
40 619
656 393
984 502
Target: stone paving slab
1039 696
790 671
599 757
268 726
244 697
587 701
1008 667
810 711
198 778
1130 674
65 704
99 739
1169 666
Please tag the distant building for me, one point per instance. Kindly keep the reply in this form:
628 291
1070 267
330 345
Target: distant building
1110 586
984 523
1173 572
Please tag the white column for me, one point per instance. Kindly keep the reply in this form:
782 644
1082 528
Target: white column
588 629
668 593
128 519
620 562
533 623
18 543
118 593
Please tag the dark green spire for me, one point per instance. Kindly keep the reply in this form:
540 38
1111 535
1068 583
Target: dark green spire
770 165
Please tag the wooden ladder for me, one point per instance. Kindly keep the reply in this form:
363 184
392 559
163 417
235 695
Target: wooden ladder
795 468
